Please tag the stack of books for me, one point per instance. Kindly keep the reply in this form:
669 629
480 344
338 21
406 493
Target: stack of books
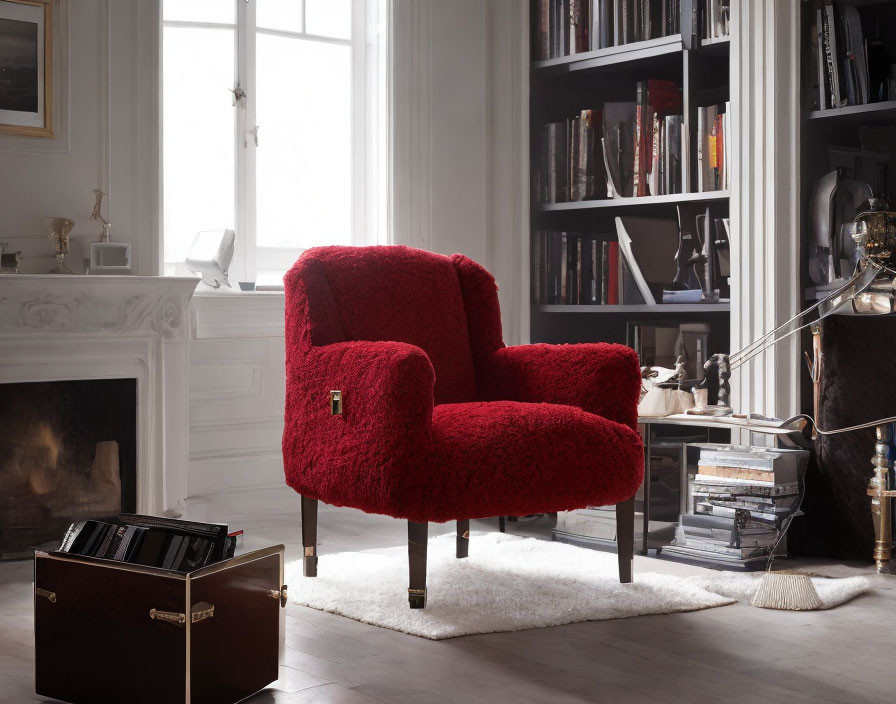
573 168
568 27
170 544
740 501
845 67
712 148
574 268
625 149
716 18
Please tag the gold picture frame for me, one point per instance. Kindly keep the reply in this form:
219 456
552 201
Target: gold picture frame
26 68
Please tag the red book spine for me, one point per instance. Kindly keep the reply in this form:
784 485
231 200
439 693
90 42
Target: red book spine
613 285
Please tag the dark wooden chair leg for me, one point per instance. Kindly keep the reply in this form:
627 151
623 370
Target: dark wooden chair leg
418 534
309 536
625 538
463 538
502 524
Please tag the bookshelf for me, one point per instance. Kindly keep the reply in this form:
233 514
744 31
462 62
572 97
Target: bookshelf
560 88
629 54
858 114
636 202
563 85
666 308
858 139
852 137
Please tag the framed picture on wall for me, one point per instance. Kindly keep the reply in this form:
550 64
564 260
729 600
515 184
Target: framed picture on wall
26 68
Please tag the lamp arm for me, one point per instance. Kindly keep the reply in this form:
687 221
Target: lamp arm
835 431
763 343
744 358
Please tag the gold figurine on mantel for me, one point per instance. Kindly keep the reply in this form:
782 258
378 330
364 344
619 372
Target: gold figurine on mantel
97 213
60 230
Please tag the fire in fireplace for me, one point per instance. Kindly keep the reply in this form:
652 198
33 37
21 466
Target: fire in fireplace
68 452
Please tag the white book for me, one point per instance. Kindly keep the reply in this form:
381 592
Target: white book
612 191
625 246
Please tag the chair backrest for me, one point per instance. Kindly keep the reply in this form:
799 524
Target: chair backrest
400 294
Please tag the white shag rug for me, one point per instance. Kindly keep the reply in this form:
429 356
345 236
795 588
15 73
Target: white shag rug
507 583
742 587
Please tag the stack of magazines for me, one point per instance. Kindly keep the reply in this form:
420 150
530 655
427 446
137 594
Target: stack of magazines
152 541
740 502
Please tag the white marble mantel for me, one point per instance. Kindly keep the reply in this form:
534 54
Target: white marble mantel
96 305
58 327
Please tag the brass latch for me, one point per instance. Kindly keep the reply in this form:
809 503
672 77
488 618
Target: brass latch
43 592
200 612
336 403
279 594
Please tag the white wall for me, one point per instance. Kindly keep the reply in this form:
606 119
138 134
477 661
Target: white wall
236 384
460 120
104 135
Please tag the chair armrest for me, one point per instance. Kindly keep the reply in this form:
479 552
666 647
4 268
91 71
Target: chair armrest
387 389
599 378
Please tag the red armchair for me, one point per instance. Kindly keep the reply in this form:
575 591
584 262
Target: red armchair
435 419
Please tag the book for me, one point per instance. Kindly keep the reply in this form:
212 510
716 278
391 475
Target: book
150 551
215 532
619 133
831 57
97 535
171 549
772 476
748 456
605 273
654 100
612 273
564 268
706 546
71 535
579 18
112 541
543 30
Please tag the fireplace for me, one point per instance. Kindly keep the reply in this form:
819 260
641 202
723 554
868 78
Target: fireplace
120 345
68 452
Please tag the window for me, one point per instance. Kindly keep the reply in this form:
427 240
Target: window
275 126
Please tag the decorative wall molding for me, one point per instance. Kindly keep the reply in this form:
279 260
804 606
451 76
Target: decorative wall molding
227 379
236 392
146 33
765 212
225 315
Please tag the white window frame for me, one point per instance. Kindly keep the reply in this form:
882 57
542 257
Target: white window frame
370 137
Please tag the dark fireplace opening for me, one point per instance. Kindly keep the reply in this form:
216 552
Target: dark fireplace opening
68 452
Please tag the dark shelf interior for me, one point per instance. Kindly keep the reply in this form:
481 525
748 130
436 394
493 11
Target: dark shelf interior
561 87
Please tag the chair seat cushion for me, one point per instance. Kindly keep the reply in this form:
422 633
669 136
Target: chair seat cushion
509 458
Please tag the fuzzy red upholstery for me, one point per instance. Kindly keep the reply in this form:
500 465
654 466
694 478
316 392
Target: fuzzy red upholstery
441 421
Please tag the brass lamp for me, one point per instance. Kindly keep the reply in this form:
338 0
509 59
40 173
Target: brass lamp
870 291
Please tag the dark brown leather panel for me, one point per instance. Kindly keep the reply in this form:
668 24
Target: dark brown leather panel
98 633
235 653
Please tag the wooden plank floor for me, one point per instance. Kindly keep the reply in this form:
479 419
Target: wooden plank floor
729 654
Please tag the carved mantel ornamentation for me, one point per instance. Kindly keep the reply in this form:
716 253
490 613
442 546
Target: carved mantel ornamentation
96 305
